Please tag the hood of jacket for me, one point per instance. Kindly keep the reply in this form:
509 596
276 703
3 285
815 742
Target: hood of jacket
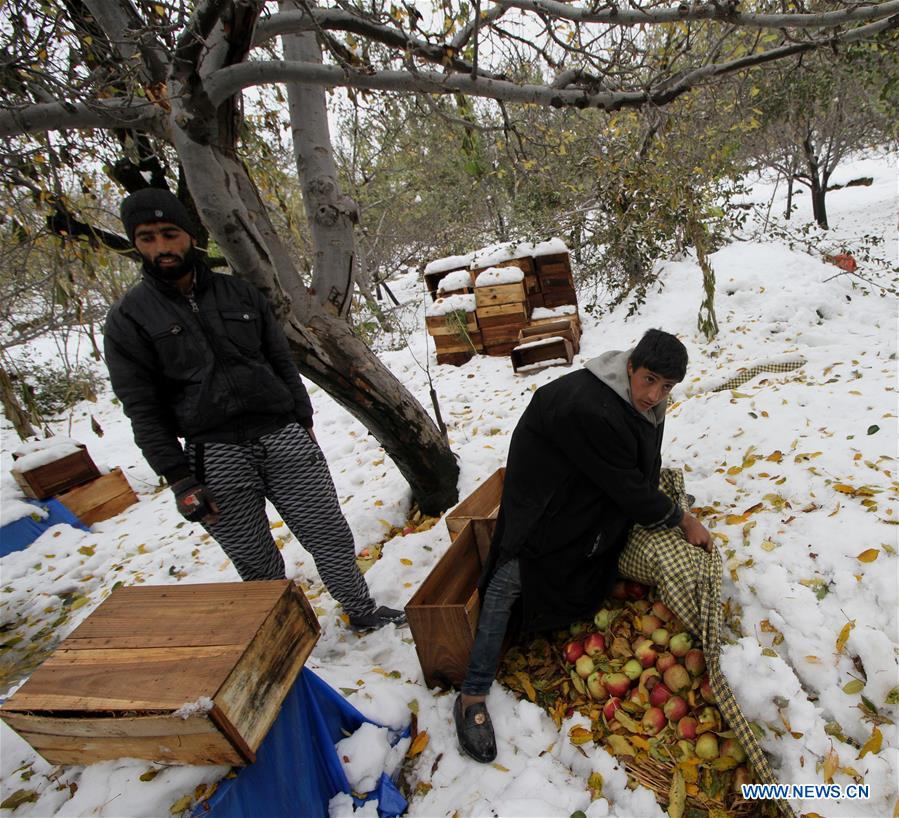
611 369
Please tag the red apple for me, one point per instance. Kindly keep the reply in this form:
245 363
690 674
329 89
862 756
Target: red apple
573 651
595 644
662 611
584 666
705 690
653 721
680 644
686 728
731 747
635 590
619 591
694 661
609 708
649 623
646 654
675 708
677 679
616 683
659 695
637 697
707 746
665 661
596 688
632 669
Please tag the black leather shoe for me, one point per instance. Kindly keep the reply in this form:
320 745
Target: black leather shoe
475 731
377 619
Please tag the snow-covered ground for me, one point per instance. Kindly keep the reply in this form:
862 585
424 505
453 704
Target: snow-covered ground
797 472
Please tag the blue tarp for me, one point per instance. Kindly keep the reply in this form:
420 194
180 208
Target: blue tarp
297 771
21 533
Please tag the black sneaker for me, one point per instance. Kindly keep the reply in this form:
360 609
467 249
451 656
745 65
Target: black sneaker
475 731
377 619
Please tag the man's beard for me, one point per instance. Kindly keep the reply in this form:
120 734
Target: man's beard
172 272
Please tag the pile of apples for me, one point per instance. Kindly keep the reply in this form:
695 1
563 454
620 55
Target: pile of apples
638 673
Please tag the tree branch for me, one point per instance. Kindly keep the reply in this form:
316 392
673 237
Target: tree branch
62 116
725 12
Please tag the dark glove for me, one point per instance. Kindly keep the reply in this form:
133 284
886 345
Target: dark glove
194 501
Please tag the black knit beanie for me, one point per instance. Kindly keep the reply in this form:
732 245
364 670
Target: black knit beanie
152 204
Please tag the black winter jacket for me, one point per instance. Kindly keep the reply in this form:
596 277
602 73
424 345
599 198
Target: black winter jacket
213 367
583 466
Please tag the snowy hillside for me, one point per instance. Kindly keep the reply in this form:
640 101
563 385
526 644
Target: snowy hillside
796 473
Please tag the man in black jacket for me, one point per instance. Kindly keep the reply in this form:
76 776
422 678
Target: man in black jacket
198 355
583 466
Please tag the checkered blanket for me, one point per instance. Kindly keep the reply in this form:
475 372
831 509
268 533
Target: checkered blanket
688 580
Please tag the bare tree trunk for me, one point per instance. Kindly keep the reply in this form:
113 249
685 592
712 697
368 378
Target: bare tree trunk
817 183
12 408
789 211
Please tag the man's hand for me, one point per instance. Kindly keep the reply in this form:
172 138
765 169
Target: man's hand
194 501
695 532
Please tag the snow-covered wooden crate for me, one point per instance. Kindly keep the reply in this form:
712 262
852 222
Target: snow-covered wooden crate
177 674
566 328
443 612
545 316
456 283
99 499
480 508
499 285
436 270
47 467
543 352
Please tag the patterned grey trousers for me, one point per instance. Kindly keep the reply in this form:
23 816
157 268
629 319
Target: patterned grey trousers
289 469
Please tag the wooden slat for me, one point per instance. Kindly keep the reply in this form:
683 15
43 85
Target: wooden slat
559 297
153 616
116 727
99 499
126 679
206 748
500 294
438 324
455 343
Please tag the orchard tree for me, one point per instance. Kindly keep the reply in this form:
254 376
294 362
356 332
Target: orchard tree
157 91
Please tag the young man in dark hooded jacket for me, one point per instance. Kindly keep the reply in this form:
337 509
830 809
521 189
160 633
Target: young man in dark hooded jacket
198 355
583 466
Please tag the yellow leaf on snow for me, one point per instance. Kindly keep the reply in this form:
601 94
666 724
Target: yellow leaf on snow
580 735
831 765
620 746
526 684
405 561
873 744
181 804
775 457
500 767
767 545
418 744
844 635
868 555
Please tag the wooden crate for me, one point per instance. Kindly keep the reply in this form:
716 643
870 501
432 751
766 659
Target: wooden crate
502 315
443 612
553 265
535 300
500 294
559 297
99 499
553 329
112 688
432 280
544 322
550 349
456 343
52 478
438 324
481 509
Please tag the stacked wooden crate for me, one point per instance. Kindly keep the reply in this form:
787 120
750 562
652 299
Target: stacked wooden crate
436 270
452 323
553 268
502 307
62 468
546 345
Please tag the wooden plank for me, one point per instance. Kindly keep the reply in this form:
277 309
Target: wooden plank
549 285
125 679
556 329
99 499
115 727
553 264
500 294
206 748
252 695
455 343
500 335
559 297
178 615
535 300
482 503
500 350
531 284
439 325
52 478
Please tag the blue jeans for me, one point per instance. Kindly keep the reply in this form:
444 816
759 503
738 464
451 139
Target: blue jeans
503 590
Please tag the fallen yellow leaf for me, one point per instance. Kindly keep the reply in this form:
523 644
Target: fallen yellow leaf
405 561
868 555
580 735
872 745
418 744
844 635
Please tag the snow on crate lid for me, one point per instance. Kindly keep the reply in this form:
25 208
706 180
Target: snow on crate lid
444 306
499 275
550 248
449 263
498 253
556 312
30 446
457 280
41 452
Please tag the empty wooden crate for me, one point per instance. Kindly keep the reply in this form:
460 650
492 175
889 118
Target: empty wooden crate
178 674
480 508
443 613
544 351
99 499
